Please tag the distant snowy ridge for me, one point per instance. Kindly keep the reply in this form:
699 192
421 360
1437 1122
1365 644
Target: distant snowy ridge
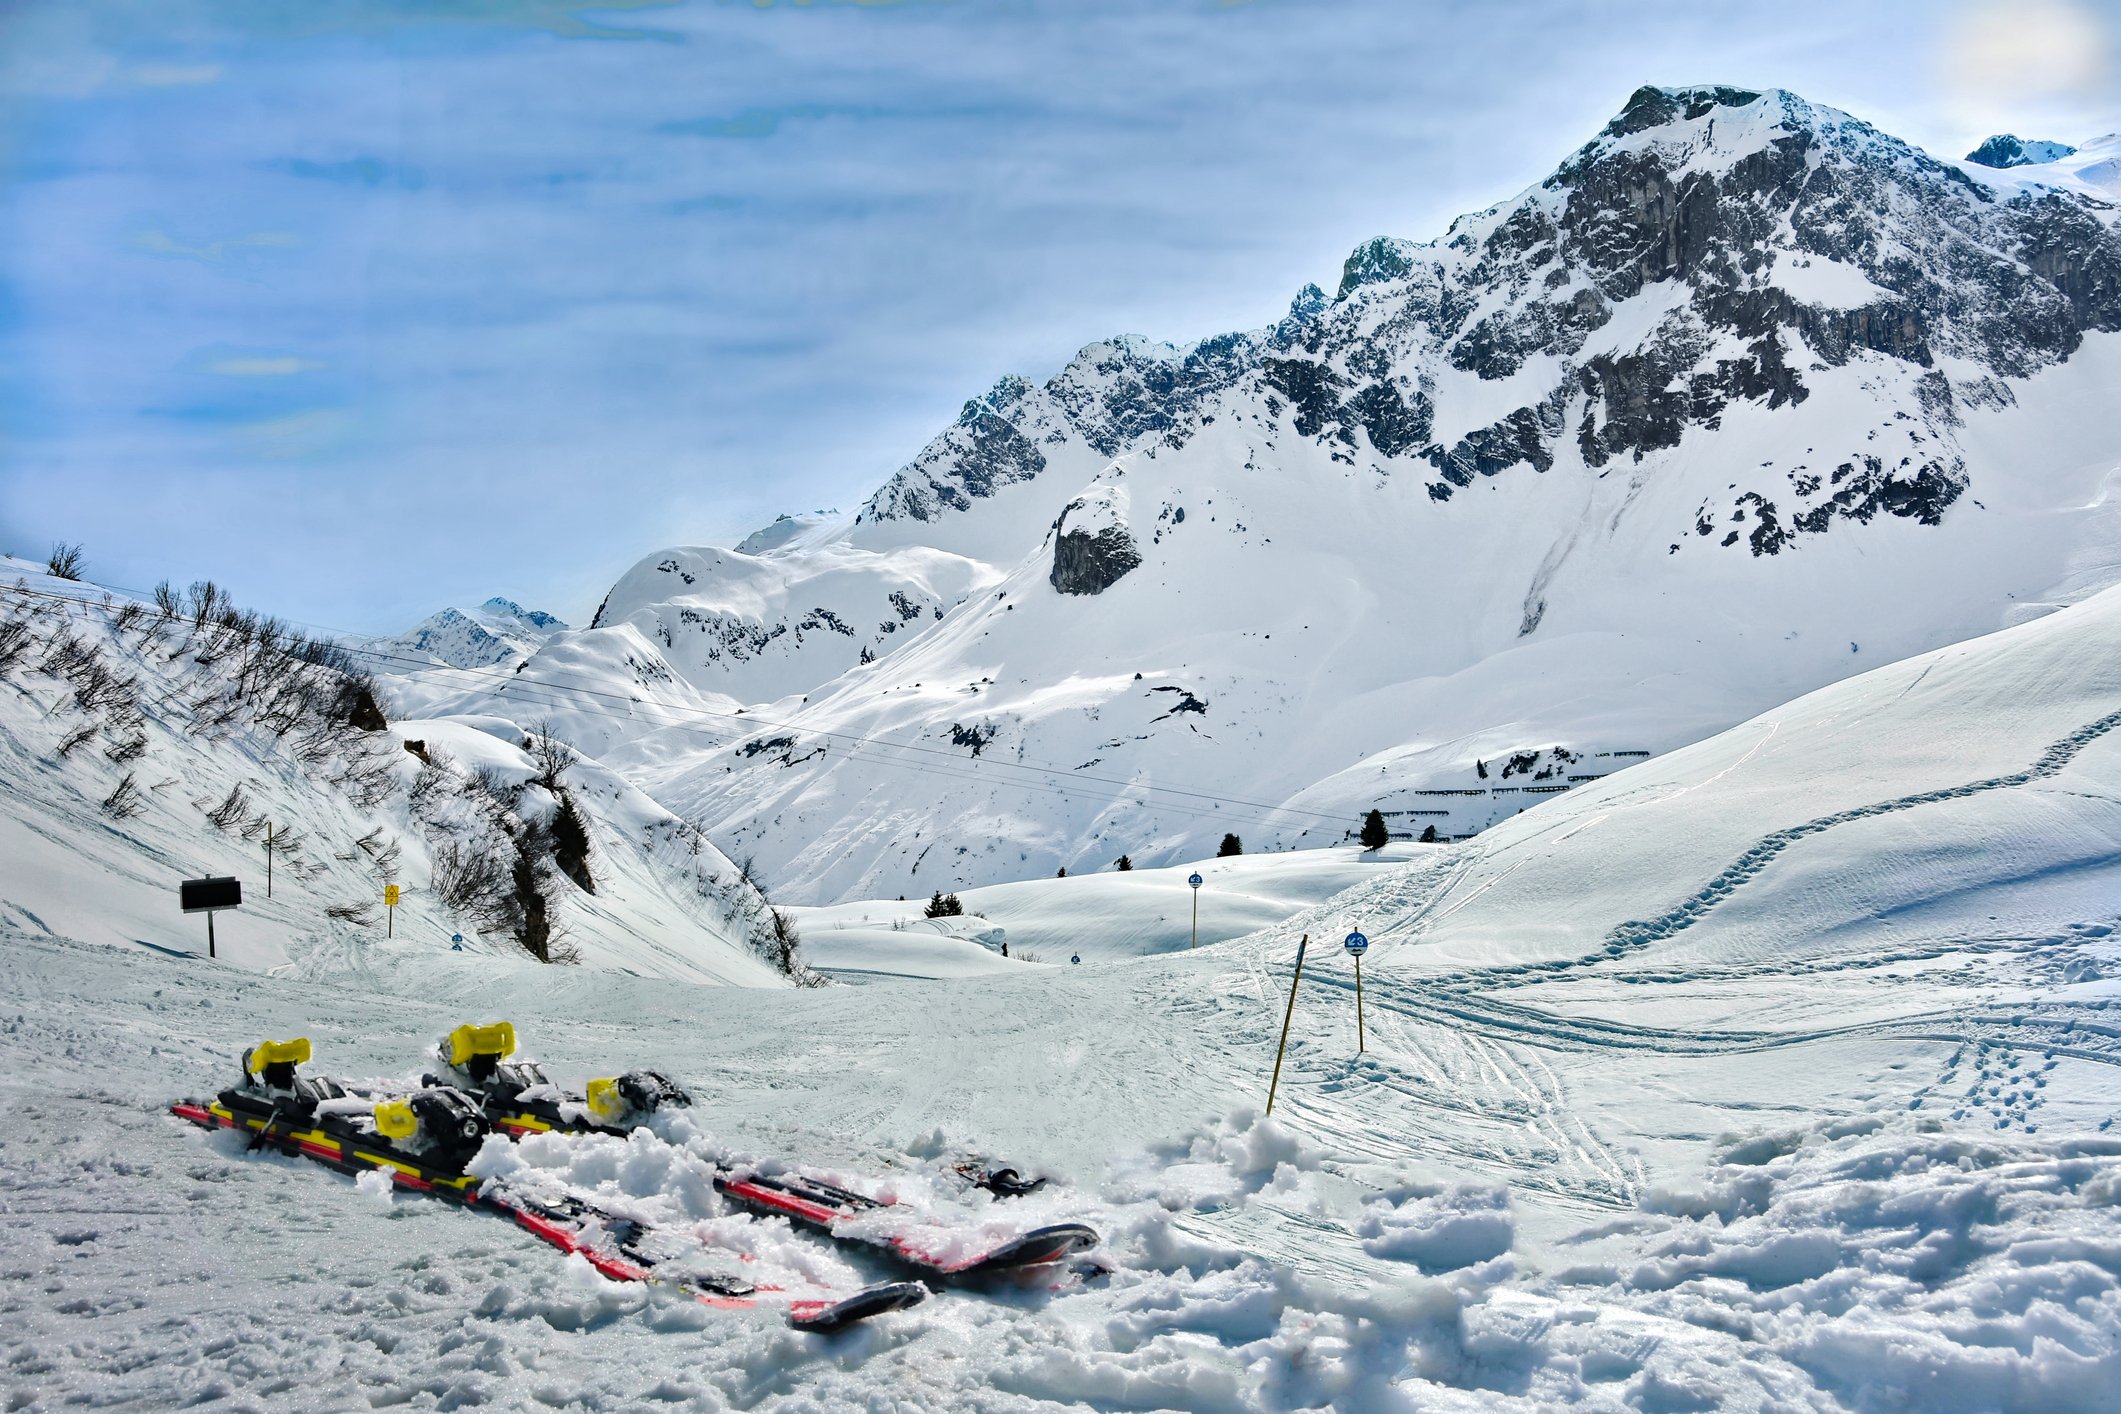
1745 396
2004 150
499 631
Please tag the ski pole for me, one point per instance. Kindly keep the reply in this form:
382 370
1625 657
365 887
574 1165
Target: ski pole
1287 1012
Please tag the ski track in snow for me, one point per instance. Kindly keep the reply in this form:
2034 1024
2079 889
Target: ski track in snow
1631 936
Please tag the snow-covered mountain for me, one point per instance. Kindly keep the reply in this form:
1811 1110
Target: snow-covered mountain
2008 150
141 746
500 631
1744 397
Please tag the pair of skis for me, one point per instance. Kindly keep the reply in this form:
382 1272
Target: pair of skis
424 1139
521 1099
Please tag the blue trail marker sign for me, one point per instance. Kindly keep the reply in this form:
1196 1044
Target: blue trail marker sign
1357 945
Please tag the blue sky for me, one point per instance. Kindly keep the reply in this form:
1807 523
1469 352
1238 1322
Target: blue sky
364 308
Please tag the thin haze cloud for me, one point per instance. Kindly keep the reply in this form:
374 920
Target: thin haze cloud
372 307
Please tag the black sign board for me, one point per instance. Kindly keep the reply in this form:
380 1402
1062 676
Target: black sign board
204 895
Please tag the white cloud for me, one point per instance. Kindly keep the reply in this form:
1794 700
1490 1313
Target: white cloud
2005 51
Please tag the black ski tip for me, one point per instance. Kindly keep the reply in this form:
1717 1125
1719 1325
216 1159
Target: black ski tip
1000 1180
870 1301
1038 1247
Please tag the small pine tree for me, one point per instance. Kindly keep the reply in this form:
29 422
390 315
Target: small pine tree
1374 834
1123 863
1231 845
1063 872
1428 835
944 905
570 844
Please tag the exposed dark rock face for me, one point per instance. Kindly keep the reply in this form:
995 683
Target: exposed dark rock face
1091 561
2004 150
1756 242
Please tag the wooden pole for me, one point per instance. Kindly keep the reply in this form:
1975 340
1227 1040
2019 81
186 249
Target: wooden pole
1359 1043
1287 1012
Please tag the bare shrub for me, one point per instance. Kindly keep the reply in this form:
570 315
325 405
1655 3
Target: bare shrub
76 739
548 755
127 748
230 811
64 562
359 914
124 802
468 880
167 605
493 783
14 640
129 616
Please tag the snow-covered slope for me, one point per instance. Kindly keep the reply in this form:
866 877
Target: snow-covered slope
1941 836
139 749
1832 1135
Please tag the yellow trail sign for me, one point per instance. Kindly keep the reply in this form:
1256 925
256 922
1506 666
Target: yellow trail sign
390 895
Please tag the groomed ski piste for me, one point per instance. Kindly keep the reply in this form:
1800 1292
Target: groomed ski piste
1776 1072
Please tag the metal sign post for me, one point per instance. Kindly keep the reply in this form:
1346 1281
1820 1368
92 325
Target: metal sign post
1195 881
268 859
1288 1012
390 910
208 896
1357 945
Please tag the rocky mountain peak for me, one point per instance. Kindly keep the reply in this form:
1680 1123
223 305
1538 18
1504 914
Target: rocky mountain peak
2005 150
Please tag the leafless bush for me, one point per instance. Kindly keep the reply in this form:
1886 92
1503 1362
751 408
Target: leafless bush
98 689
66 655
206 602
76 739
231 810
359 914
548 755
254 827
127 748
123 802
435 778
493 783
469 880
128 617
64 562
14 641
367 776
167 605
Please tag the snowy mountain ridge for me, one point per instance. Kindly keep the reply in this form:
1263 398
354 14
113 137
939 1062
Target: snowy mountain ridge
496 632
1745 396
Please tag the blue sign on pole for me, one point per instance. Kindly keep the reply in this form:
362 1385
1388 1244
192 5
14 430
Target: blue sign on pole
1078 957
456 942
1357 944
1195 881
